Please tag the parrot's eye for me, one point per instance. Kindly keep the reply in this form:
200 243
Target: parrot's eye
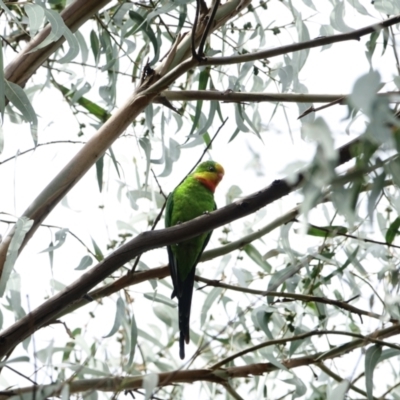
211 169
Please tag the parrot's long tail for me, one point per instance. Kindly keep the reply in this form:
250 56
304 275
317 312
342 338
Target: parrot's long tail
184 305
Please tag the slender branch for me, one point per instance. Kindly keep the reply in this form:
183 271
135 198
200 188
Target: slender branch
56 227
313 109
396 56
194 28
347 235
368 338
294 296
318 42
207 30
221 375
21 153
240 97
207 147
383 396
338 378
228 387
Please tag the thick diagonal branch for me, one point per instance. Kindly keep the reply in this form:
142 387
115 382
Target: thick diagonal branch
144 242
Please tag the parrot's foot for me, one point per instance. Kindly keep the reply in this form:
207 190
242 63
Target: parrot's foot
87 297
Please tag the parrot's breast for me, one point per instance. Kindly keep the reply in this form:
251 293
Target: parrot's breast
191 200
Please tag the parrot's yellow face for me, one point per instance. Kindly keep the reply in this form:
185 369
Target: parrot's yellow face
209 174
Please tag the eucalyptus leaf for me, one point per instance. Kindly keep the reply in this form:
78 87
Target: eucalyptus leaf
207 305
85 262
150 382
16 95
134 336
119 315
371 360
35 15
22 226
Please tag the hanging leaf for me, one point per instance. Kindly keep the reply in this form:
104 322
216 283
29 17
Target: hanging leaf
255 255
16 95
134 336
85 262
327 231
150 382
119 313
97 251
73 49
35 15
60 237
154 296
393 231
146 29
22 226
372 356
99 172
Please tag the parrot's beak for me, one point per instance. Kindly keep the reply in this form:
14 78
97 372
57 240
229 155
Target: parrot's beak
220 171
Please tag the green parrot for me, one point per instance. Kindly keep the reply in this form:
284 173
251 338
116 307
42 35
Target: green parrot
192 198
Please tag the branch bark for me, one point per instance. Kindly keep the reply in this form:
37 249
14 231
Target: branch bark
240 97
343 37
28 61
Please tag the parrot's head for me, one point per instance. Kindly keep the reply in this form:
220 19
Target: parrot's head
209 173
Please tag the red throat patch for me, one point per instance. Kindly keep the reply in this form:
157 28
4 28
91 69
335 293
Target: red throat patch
208 183
209 179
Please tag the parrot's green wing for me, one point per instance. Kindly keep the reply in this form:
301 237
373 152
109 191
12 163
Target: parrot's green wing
173 267
184 292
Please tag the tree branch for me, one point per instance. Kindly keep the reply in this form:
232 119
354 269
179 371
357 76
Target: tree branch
343 37
367 338
241 97
220 375
29 60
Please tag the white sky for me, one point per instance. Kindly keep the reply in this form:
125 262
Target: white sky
328 72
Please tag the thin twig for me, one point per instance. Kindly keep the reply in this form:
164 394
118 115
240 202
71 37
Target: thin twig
114 40
388 391
293 296
232 391
159 186
372 288
338 378
313 109
194 29
41 144
396 56
368 338
347 235
56 227
156 221
318 42
21 374
207 148
200 53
